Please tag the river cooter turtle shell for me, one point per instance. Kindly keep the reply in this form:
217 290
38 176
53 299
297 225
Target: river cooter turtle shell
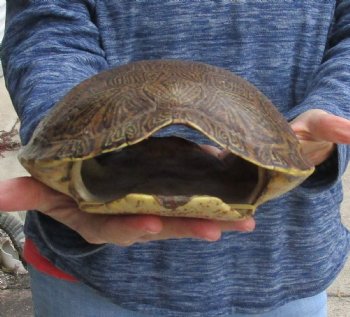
117 111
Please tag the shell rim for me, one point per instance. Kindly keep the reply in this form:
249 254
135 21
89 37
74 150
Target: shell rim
289 171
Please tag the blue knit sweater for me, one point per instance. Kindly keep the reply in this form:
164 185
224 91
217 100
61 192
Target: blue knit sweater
296 52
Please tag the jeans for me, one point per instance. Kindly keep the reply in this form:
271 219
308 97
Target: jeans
59 298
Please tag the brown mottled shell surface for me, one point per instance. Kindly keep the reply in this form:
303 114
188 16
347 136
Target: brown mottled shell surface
127 104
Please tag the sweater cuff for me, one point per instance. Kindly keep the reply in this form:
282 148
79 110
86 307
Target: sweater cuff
57 237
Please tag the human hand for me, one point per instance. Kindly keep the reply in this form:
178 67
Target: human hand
319 132
26 193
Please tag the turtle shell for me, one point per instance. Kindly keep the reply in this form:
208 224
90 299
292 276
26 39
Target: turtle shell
118 110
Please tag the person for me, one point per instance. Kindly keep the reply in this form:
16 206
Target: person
277 263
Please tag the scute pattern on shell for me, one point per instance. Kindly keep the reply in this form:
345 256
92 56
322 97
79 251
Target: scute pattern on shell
128 103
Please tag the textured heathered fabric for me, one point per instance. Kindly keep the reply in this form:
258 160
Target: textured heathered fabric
296 52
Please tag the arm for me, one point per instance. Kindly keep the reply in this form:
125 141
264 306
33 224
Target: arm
328 91
48 48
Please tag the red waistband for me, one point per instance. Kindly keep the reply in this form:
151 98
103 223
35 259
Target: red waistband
33 257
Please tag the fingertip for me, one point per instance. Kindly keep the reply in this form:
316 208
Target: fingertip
212 236
206 229
212 150
148 223
241 225
245 225
250 224
153 225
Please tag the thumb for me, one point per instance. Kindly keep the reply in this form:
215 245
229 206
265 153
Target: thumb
25 193
319 125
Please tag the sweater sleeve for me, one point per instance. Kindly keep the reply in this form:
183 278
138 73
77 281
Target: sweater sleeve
48 48
329 90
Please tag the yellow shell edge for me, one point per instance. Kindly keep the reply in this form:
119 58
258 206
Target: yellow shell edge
198 207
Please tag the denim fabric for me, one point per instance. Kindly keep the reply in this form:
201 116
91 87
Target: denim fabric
296 52
59 298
